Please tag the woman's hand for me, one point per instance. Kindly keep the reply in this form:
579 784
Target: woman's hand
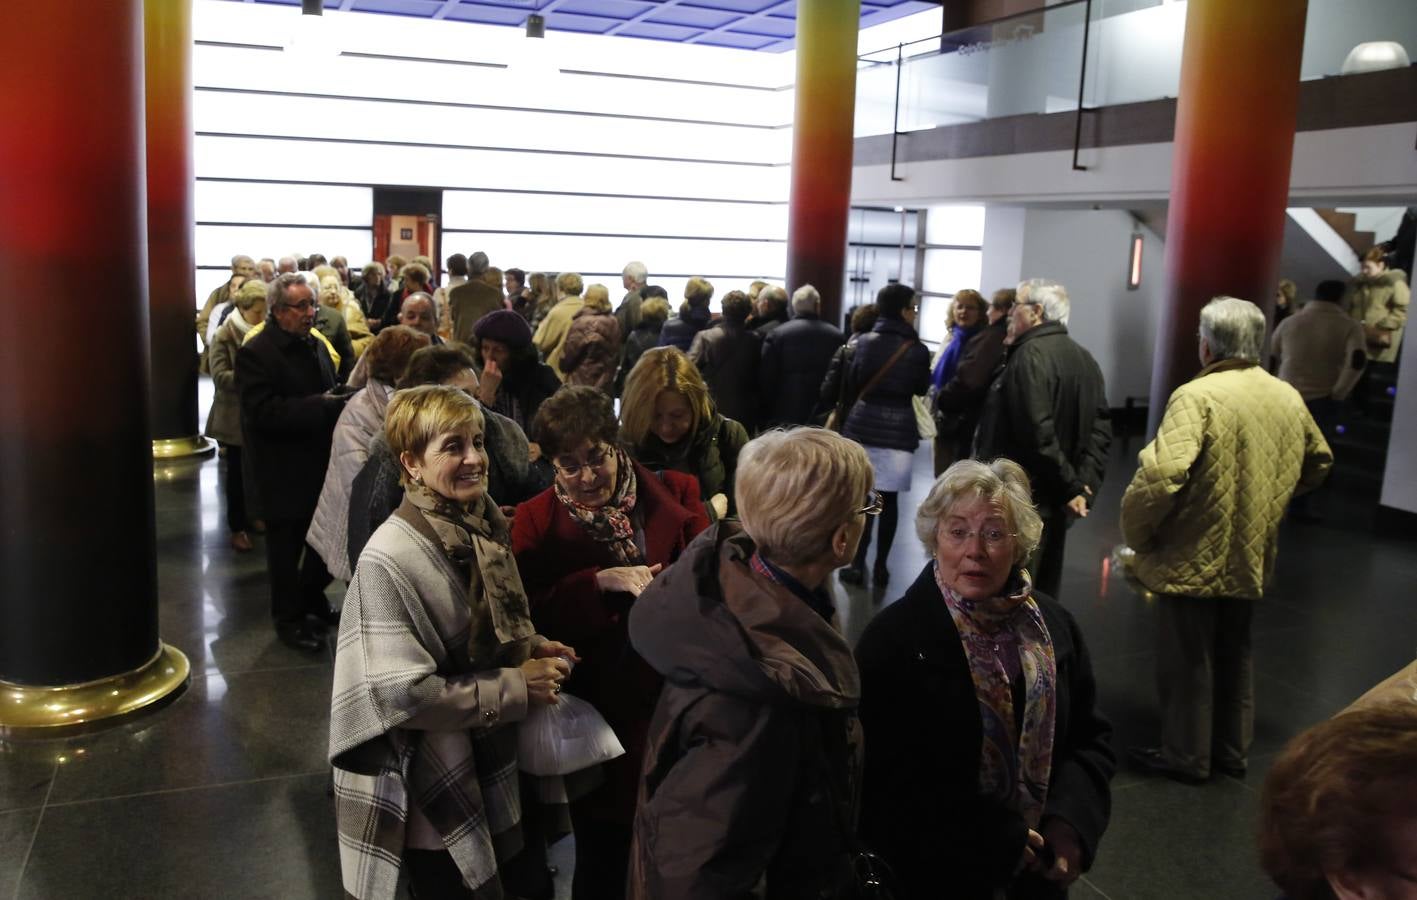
553 649
1029 859
491 379
720 506
1067 852
543 679
533 451
626 579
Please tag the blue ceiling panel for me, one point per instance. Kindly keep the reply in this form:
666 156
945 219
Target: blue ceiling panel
766 25
487 15
693 16
659 32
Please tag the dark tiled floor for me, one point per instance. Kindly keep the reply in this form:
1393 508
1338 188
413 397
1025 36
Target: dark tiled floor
223 794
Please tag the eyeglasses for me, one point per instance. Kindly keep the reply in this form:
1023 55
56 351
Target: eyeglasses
302 306
874 505
958 536
595 462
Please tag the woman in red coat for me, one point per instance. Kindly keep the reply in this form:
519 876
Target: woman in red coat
586 547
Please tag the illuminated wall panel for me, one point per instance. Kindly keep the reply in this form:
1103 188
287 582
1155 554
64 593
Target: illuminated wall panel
237 201
505 211
216 244
583 254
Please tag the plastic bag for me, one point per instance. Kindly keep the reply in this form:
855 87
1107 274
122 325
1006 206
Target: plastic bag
564 738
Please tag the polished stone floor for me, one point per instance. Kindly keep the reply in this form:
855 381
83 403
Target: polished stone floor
224 794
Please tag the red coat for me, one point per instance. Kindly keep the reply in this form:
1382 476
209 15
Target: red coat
558 562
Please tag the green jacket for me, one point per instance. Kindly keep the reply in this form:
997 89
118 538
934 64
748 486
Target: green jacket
1203 510
710 455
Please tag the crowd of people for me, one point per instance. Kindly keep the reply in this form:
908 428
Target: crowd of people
530 490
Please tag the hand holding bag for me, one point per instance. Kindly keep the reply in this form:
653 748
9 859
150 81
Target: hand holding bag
565 737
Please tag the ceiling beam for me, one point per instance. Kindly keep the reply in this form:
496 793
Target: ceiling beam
641 16
752 17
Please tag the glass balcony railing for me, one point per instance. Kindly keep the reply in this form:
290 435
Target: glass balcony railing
1030 63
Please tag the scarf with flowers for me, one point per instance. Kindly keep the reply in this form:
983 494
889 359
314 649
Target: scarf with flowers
610 524
1014 766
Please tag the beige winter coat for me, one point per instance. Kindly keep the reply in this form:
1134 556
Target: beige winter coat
1381 303
1203 510
360 337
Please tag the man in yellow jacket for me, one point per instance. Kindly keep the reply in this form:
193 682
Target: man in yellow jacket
1202 514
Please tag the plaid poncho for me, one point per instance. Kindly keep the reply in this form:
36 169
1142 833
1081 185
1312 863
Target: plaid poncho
402 645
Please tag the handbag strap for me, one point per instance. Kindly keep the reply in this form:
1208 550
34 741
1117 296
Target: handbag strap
881 372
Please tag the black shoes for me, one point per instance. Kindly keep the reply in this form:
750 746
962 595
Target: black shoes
1153 762
328 620
301 637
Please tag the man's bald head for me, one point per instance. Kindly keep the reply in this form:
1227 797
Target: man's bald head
418 313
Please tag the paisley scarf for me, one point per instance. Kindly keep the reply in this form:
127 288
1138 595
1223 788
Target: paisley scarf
610 524
1013 767
476 536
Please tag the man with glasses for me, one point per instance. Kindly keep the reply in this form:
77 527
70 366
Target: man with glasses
289 406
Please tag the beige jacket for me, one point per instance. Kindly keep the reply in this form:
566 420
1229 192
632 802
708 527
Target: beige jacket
359 334
1321 351
1203 510
1381 303
550 336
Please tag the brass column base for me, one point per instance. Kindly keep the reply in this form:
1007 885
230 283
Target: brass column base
182 448
29 711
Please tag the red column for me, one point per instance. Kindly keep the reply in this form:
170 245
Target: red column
78 573
171 258
822 145
1235 122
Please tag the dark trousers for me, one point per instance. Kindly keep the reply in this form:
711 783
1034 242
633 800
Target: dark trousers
890 518
1327 413
602 857
235 490
1046 564
297 585
1205 681
432 875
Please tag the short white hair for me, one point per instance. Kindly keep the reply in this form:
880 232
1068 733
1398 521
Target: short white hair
1048 295
806 299
239 258
636 272
1001 482
1232 328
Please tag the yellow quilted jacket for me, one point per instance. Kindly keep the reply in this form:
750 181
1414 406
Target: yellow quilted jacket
1203 510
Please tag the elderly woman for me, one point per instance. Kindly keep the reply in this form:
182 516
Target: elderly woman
967 318
550 335
587 548
754 748
437 661
888 368
361 420
374 298
694 315
988 764
654 312
514 381
668 422
377 491
592 346
960 399
338 298
224 420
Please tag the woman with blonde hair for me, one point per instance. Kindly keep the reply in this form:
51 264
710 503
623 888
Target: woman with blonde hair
334 295
592 345
542 290
694 315
1004 781
668 421
550 337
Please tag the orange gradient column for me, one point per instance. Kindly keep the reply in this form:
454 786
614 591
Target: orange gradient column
1235 121
78 574
171 259
822 143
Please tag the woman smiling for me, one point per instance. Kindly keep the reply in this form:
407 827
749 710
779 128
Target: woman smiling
587 547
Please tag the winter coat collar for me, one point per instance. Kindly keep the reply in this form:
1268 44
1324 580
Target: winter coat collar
1225 365
894 326
1037 332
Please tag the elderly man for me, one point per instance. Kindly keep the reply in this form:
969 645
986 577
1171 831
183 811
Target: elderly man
341 265
634 277
243 268
287 265
770 310
286 381
267 269
1047 410
1202 514
473 299
796 357
420 313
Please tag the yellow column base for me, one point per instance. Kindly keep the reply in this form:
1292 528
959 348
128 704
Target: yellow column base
180 448
29 711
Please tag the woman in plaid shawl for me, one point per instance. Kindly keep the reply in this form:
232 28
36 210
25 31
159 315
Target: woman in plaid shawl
437 660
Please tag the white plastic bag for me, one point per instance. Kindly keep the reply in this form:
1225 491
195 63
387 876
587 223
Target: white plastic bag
564 738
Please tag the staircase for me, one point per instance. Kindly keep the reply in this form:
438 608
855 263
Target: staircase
1349 498
1346 225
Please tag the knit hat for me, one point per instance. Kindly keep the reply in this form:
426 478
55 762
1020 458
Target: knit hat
504 326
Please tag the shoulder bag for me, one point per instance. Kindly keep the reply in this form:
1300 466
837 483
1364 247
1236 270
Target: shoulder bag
837 419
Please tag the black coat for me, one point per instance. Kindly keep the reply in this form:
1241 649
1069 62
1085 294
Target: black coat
1047 411
796 356
332 325
886 418
644 337
921 807
525 386
962 397
727 354
375 300
287 418
680 330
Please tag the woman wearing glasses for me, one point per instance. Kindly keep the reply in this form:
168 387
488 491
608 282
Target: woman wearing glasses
988 763
586 548
754 751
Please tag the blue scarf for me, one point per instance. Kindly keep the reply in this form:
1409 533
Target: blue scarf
948 362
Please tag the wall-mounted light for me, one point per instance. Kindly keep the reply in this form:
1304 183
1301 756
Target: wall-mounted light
312 7
535 26
1134 262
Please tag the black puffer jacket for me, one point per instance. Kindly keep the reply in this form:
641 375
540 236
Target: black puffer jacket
710 455
728 354
680 330
796 356
645 336
1047 410
753 754
886 417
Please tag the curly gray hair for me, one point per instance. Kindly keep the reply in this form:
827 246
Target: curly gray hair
1001 482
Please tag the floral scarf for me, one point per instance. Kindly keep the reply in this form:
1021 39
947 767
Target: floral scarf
1013 767
476 536
610 524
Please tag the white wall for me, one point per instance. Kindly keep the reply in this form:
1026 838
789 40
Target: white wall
679 159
